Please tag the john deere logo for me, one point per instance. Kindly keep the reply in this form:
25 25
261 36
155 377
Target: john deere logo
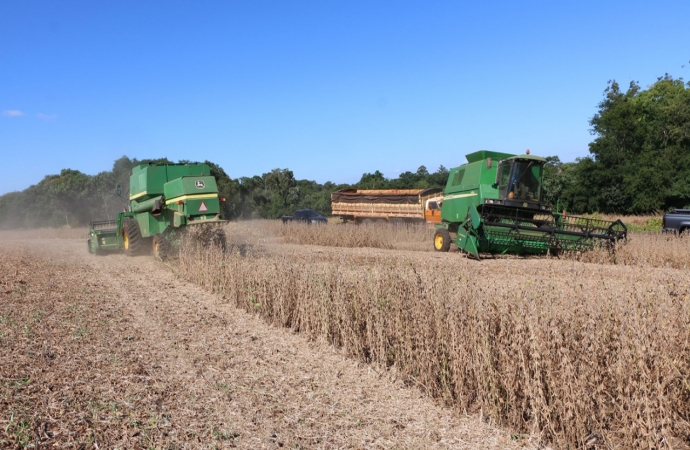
199 184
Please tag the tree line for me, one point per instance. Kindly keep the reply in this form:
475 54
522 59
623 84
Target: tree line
639 163
72 198
639 160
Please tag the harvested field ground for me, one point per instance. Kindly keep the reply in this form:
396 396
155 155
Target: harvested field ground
588 350
117 352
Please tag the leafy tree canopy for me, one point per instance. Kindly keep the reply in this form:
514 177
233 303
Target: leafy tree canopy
72 198
640 157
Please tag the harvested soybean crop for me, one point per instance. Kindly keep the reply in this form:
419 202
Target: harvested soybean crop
572 351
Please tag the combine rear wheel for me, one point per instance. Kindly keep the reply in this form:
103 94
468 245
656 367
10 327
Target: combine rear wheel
442 240
161 246
131 237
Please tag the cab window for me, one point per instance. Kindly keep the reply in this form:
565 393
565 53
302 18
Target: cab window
457 178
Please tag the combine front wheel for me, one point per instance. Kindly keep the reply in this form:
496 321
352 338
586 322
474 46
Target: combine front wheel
132 237
442 240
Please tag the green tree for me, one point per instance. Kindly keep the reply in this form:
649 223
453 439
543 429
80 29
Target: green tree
406 180
279 194
554 181
641 153
374 180
439 178
578 195
252 197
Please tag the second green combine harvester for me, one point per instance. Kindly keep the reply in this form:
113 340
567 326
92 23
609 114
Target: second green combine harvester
493 204
164 199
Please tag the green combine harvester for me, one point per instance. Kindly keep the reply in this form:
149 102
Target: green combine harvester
164 199
493 204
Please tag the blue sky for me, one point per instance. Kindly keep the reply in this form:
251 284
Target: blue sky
328 89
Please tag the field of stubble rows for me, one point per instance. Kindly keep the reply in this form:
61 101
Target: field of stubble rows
109 351
577 349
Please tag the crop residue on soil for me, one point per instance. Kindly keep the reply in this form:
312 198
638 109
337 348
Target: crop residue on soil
115 352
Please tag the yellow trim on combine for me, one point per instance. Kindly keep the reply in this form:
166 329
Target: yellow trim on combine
133 197
190 197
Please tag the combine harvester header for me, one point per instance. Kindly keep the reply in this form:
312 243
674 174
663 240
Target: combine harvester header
493 204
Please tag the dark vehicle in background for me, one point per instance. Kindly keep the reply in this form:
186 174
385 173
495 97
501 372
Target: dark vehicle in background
305 216
676 221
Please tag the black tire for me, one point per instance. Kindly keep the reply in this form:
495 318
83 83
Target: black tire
442 240
131 237
88 245
161 246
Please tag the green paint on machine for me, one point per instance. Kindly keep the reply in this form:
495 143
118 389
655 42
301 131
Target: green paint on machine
493 204
162 198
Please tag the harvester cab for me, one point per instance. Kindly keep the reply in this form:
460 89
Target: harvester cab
519 180
494 204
